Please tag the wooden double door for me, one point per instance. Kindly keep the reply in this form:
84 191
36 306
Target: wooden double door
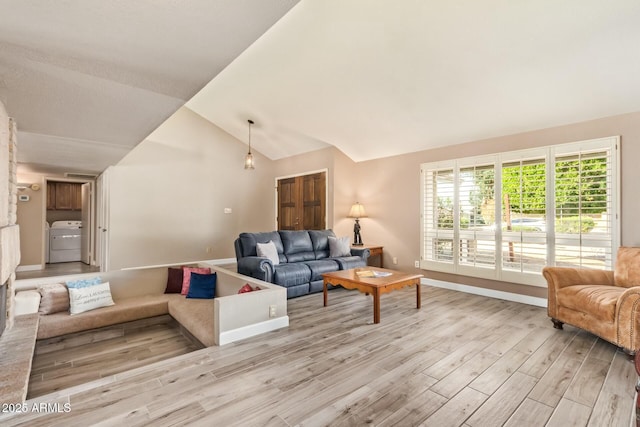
302 203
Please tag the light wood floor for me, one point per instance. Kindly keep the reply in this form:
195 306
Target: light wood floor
58 269
63 362
460 360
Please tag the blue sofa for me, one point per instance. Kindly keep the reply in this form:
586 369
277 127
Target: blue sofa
303 257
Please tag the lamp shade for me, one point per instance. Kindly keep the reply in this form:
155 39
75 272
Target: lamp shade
357 211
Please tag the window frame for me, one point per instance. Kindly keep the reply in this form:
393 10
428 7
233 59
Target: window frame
548 154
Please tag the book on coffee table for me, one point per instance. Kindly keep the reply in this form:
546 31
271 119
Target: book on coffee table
372 273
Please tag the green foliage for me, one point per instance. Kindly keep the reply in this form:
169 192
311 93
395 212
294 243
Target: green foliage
581 186
525 186
575 224
445 213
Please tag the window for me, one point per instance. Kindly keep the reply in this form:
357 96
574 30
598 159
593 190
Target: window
507 216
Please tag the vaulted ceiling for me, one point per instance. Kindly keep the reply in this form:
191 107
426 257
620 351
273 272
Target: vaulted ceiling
87 80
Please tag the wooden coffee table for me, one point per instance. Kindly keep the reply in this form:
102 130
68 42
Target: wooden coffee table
376 286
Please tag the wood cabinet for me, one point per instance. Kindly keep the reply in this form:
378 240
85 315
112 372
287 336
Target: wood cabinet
64 196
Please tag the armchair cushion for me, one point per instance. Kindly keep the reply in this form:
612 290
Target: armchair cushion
599 301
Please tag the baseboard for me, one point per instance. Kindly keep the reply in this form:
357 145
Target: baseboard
509 296
228 337
34 267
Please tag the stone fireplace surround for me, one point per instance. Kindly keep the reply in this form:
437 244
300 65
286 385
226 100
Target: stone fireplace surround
9 231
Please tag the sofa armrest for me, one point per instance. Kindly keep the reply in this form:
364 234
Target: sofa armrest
363 253
257 267
628 319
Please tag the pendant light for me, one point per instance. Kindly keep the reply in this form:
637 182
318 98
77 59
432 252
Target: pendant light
248 159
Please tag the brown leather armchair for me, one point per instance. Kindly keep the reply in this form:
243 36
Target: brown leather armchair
605 303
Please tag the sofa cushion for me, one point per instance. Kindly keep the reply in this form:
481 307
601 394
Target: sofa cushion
79 283
174 280
248 243
195 315
320 241
297 245
124 310
54 298
202 286
186 273
321 266
596 300
268 250
627 272
87 298
291 274
339 247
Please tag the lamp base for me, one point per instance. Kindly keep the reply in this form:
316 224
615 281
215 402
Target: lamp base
357 244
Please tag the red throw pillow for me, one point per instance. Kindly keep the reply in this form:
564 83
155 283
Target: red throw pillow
186 279
175 276
245 288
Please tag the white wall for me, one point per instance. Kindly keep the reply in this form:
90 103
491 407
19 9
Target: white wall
167 197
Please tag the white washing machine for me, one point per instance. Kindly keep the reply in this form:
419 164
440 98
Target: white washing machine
65 241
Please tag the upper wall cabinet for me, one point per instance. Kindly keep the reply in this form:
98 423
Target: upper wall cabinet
64 196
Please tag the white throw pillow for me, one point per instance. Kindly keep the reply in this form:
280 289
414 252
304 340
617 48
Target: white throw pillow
268 250
89 298
339 246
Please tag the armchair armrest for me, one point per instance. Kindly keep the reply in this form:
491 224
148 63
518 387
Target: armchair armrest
259 268
628 319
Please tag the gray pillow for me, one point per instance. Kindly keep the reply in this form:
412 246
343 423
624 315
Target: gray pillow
339 246
268 250
54 298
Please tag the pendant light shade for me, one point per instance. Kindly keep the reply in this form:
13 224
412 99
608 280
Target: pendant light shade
248 159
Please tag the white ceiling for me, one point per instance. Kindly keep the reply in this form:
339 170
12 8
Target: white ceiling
378 78
372 77
87 80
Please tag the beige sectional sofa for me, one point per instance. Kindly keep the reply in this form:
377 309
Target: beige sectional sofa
139 293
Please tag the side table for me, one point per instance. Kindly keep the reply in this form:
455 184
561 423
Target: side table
375 251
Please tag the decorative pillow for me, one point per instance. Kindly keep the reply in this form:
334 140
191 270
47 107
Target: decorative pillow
339 246
174 280
87 298
268 250
247 288
54 298
202 286
186 276
81 283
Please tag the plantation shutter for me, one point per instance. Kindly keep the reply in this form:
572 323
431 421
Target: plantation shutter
477 247
583 209
438 212
523 211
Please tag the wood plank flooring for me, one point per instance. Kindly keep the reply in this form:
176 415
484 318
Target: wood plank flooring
63 362
461 360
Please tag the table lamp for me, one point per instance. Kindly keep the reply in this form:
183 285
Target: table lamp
357 212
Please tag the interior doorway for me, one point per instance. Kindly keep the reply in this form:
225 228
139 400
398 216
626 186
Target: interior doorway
69 222
302 202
